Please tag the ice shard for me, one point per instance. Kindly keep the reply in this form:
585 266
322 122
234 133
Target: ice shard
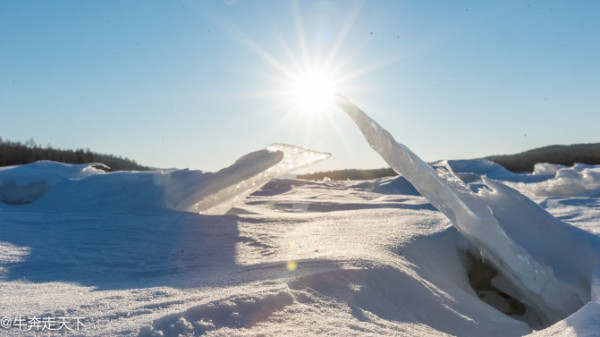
216 193
473 218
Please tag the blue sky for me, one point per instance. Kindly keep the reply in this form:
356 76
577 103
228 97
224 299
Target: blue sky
197 84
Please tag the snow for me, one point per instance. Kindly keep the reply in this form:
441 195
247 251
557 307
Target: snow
550 180
546 169
452 249
579 180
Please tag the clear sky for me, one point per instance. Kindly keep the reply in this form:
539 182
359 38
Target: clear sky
197 84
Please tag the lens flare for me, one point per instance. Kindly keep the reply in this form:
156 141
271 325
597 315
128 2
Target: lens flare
291 265
312 92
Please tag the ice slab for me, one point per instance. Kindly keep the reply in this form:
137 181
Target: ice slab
225 188
474 218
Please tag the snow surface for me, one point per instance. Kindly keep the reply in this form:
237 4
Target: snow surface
130 252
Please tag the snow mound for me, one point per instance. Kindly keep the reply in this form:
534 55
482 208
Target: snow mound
27 183
472 170
546 169
578 180
547 180
396 185
555 285
379 298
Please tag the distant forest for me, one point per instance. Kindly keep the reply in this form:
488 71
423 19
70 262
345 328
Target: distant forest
521 162
350 174
555 154
17 153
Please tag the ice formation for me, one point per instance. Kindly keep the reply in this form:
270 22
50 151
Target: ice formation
555 283
232 184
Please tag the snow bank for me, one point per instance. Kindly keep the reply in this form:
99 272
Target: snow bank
27 183
546 169
578 180
526 272
473 170
395 185
85 187
548 180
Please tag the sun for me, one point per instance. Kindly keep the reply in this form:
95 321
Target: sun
312 92
300 73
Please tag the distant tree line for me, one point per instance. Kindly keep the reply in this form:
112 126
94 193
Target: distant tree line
351 174
17 153
555 154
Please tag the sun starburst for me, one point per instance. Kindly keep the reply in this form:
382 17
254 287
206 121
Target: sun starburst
312 92
303 73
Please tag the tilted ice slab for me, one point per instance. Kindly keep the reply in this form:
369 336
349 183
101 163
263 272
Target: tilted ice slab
498 221
62 187
223 189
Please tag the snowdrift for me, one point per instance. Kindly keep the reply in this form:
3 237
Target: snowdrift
576 181
548 180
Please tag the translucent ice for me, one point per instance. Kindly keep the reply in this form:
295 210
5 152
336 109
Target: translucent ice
219 192
474 218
